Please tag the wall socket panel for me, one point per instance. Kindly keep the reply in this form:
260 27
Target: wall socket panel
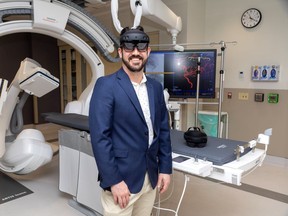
243 96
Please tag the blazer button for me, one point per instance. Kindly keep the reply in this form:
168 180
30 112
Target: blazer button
146 133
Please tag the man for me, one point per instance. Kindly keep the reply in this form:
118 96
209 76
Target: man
130 133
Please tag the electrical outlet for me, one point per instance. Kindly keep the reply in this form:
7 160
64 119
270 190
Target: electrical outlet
243 96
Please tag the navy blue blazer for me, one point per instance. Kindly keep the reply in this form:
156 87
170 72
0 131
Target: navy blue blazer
119 133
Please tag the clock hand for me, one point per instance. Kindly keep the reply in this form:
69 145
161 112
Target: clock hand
252 18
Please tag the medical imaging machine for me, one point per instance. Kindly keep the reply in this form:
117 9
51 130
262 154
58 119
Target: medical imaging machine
27 151
49 18
78 170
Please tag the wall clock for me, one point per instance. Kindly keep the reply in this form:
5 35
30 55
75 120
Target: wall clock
251 18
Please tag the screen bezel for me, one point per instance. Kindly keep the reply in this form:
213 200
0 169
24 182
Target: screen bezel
163 76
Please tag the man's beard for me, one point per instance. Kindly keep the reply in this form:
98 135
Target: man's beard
136 68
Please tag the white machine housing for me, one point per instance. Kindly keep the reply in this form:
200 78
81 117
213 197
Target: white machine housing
29 150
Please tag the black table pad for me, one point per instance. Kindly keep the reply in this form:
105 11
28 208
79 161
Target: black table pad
72 120
217 150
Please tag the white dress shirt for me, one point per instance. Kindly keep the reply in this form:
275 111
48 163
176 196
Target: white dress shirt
142 94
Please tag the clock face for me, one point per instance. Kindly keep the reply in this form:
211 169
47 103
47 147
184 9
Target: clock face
251 18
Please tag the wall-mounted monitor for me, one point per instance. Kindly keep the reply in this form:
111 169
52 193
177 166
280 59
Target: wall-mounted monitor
177 71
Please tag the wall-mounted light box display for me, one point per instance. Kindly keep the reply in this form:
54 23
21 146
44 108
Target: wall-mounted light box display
265 73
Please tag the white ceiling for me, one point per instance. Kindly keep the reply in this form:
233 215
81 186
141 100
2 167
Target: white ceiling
98 7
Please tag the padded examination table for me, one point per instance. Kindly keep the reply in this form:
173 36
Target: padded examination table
71 120
218 151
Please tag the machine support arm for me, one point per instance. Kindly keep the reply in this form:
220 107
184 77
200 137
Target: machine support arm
150 9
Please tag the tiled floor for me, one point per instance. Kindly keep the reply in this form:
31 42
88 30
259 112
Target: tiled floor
263 193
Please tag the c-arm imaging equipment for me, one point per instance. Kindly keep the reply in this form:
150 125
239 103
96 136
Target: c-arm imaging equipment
28 150
78 170
50 18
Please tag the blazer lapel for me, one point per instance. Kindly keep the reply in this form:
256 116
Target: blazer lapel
127 86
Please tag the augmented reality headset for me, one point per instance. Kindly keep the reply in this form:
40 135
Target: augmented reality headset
134 38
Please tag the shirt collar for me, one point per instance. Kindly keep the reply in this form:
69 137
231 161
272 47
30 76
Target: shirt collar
144 80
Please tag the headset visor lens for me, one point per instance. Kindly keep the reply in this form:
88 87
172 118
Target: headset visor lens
131 46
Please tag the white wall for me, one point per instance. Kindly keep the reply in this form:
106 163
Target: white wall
264 45
219 20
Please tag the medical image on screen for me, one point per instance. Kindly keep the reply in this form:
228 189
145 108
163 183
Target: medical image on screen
177 71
